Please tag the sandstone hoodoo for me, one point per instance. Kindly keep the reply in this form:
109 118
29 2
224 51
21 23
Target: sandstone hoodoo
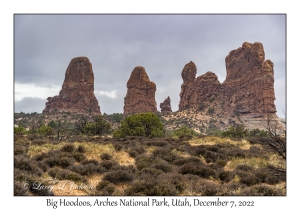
249 81
77 93
248 87
165 107
140 95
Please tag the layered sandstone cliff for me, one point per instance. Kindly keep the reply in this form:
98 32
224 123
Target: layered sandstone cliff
77 93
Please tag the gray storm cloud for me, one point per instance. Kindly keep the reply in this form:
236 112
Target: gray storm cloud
45 44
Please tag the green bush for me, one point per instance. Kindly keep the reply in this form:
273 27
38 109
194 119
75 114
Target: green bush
211 110
184 131
98 127
142 124
201 106
45 130
19 129
236 131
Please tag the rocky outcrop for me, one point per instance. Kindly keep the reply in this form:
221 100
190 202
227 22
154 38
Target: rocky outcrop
140 95
77 93
195 90
249 84
165 107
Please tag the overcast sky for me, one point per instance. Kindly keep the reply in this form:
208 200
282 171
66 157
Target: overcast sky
115 44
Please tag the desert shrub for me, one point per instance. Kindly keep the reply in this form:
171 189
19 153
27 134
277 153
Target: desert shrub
175 179
53 171
226 176
152 171
118 176
78 156
212 156
64 162
163 166
19 150
22 162
221 162
135 151
105 188
260 190
62 174
43 166
201 106
69 175
234 152
81 149
142 124
185 137
165 154
105 156
213 148
182 161
158 143
19 189
272 179
68 148
244 167
87 169
209 188
151 188
261 174
145 161
211 110
247 178
117 147
195 169
107 164
93 161
38 142
199 150
41 156
211 99
255 151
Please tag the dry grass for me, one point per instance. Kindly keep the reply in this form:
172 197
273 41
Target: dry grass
209 140
36 149
253 161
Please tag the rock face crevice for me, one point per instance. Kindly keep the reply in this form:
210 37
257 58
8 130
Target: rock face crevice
140 95
77 93
165 106
248 87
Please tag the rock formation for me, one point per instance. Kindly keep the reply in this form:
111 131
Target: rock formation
140 95
77 93
165 106
249 84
